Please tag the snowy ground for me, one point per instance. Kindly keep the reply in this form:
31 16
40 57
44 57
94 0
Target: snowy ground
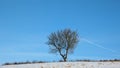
67 65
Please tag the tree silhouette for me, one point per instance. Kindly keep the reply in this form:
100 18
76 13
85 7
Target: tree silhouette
63 42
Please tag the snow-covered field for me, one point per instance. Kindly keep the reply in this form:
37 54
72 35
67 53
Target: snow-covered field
67 65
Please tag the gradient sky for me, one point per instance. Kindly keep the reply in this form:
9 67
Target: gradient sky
25 25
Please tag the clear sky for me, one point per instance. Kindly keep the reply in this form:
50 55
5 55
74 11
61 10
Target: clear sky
25 25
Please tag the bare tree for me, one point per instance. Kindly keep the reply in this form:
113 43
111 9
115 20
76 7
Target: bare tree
63 42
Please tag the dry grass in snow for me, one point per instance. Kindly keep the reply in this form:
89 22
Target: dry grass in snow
67 65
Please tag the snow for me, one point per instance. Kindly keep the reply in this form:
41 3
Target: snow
67 65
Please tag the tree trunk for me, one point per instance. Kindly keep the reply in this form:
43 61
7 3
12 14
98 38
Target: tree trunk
65 59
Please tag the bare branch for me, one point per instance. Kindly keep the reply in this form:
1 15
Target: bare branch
63 42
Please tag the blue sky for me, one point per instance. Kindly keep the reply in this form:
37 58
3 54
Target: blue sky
25 25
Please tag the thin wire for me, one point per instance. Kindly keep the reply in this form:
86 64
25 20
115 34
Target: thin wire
100 46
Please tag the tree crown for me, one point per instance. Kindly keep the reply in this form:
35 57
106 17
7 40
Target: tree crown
63 41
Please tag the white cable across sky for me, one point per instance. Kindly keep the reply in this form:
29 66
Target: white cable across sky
100 46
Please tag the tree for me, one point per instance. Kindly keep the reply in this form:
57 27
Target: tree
63 42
